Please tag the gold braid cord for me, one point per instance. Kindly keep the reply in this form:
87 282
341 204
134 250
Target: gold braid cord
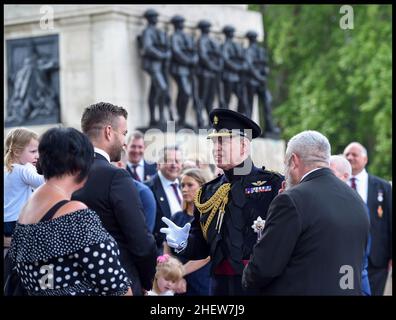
215 202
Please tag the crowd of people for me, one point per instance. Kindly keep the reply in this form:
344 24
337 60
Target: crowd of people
86 214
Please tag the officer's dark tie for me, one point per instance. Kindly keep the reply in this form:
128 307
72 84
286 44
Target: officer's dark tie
174 186
135 175
353 183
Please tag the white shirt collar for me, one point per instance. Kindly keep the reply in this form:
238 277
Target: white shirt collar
103 153
361 175
165 181
309 173
139 164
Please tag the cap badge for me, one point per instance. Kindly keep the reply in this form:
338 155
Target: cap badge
215 120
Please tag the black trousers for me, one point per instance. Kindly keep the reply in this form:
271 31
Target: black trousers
377 278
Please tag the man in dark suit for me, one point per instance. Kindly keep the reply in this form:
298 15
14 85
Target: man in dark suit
140 169
316 231
166 189
377 194
112 194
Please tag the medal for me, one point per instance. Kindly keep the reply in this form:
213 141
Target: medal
380 212
380 197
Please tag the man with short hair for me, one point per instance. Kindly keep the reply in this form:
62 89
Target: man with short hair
166 189
341 167
140 169
311 244
377 194
113 195
343 170
228 206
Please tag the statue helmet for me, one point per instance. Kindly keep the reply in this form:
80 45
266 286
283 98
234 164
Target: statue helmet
228 29
251 34
177 19
202 24
150 13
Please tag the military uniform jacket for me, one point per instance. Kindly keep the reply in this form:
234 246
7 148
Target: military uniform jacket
155 49
249 197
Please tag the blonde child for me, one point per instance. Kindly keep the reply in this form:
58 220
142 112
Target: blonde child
168 277
20 175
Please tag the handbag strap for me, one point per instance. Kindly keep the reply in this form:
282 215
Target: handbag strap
51 212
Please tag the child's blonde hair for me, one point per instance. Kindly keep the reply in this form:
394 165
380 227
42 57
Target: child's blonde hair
17 139
169 268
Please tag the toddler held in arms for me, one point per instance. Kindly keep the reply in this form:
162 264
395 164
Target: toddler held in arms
168 277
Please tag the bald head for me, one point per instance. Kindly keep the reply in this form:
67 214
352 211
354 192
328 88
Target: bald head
341 167
356 154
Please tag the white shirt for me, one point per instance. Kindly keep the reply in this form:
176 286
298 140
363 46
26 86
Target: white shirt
18 187
166 293
174 204
103 153
361 181
139 168
309 173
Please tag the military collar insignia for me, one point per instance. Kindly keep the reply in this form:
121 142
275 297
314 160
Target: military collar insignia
215 120
258 183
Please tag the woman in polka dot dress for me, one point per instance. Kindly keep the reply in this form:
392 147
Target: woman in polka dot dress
60 246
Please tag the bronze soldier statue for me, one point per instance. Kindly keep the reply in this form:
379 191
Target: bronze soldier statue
234 66
155 51
209 67
184 58
256 83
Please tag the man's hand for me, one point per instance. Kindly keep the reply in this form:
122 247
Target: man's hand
180 286
176 237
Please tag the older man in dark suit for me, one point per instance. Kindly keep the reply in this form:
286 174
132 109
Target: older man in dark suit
140 169
166 189
377 194
112 194
316 231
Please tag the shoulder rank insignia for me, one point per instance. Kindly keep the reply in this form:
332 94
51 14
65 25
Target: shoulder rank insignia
258 183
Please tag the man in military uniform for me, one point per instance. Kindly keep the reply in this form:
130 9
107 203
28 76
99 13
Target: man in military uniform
209 67
155 50
228 206
257 63
184 58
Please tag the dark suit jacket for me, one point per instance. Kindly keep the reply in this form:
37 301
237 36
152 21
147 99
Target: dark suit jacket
313 231
149 170
111 192
163 208
381 226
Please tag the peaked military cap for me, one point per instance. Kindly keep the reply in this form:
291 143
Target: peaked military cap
251 34
150 13
203 24
228 29
228 123
176 19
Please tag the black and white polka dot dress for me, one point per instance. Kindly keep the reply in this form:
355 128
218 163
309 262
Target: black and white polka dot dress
69 255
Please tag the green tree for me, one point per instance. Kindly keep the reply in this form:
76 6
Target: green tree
336 81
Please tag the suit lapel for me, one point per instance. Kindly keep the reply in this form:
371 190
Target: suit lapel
161 197
371 193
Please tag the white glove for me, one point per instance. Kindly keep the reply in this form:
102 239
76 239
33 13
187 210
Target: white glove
176 237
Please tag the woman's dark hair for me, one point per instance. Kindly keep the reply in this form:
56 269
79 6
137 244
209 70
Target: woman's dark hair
64 151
